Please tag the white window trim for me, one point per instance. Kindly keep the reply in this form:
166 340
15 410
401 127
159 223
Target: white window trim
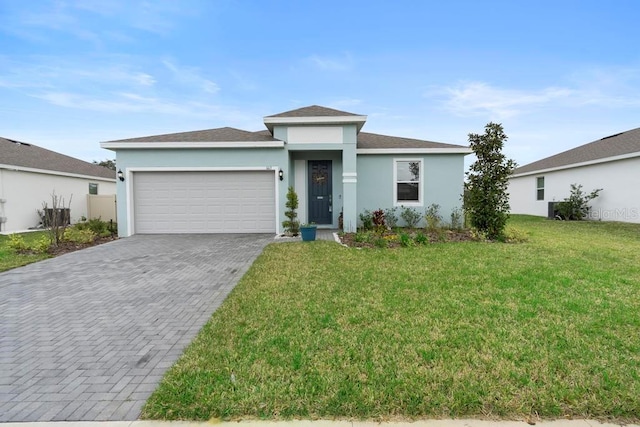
420 201
97 187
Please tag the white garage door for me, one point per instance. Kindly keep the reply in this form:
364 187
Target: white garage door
204 202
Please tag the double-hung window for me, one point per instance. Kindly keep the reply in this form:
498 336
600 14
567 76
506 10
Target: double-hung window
540 188
93 188
407 176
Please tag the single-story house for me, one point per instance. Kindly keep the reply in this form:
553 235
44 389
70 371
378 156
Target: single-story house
611 163
229 180
29 175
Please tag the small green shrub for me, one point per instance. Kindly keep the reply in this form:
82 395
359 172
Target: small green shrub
457 219
432 217
366 218
98 226
361 237
478 235
291 225
380 242
576 206
410 216
17 243
405 240
391 217
421 239
76 235
41 245
515 235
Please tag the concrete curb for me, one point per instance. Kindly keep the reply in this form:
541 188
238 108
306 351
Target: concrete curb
322 423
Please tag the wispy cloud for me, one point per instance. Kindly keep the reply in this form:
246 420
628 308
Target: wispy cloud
191 76
606 88
479 98
337 63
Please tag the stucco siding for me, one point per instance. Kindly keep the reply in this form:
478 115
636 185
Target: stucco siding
442 182
25 192
618 201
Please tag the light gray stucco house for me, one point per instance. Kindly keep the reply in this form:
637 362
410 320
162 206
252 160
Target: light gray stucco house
30 174
611 163
229 180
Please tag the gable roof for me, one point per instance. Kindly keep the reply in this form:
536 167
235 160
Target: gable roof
368 140
225 134
314 111
620 144
23 155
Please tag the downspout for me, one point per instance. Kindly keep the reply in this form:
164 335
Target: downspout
3 219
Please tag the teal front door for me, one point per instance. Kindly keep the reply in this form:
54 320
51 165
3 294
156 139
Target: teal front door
320 192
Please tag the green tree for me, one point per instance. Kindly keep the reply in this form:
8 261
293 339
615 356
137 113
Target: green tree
486 199
107 163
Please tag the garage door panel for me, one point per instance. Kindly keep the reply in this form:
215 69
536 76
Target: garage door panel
204 202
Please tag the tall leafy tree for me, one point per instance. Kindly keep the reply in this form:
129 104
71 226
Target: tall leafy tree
486 199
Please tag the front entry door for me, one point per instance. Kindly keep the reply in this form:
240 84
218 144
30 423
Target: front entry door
320 190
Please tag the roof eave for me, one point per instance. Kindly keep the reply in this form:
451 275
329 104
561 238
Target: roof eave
192 144
444 150
577 165
58 173
359 121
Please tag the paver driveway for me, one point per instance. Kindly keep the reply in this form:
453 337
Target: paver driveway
88 335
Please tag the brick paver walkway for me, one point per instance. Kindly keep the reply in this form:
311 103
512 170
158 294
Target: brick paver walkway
88 335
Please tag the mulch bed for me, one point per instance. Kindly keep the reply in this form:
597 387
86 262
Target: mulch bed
393 240
66 247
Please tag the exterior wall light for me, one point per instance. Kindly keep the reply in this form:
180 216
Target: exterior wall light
281 175
120 175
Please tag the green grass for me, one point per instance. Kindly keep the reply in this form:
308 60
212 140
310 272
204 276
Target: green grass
547 328
10 259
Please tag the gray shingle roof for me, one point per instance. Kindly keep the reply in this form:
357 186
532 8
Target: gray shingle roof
21 154
373 140
225 134
609 146
314 111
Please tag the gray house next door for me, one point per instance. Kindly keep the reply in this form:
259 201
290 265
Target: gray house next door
320 191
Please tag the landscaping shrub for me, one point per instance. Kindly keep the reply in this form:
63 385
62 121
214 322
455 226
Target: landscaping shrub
514 235
361 237
391 217
378 220
291 224
421 238
405 240
41 246
380 242
410 216
456 219
576 206
17 243
366 218
76 235
432 217
98 226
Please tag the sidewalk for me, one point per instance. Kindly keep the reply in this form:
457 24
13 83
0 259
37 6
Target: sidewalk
322 423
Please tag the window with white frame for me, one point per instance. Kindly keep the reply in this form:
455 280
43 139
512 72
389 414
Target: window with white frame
407 176
540 188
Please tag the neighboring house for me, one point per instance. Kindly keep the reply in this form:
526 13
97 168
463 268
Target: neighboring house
228 180
30 174
611 163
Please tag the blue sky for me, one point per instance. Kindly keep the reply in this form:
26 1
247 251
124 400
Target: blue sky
556 74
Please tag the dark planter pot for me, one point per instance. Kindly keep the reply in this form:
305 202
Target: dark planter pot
308 233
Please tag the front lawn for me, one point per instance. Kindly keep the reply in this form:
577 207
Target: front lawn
547 328
11 259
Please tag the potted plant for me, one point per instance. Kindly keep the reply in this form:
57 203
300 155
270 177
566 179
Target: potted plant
308 232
